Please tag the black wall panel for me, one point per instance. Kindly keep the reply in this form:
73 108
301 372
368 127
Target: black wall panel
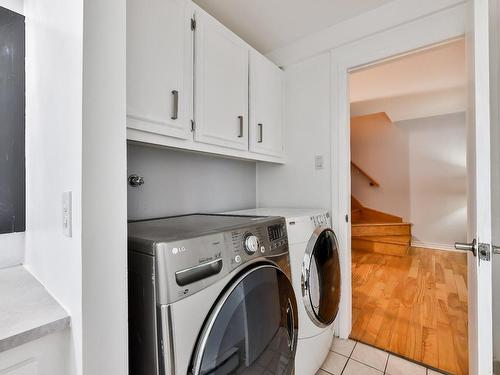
12 123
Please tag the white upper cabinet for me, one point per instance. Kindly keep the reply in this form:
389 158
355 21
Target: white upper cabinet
266 106
159 67
221 85
179 71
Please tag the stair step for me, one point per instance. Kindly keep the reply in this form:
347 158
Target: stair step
381 229
398 249
368 215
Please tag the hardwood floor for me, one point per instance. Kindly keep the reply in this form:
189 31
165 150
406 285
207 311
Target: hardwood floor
414 306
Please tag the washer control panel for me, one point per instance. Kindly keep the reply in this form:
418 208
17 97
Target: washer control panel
186 254
253 242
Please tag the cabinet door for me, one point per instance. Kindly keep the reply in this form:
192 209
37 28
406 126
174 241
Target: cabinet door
159 67
266 106
221 85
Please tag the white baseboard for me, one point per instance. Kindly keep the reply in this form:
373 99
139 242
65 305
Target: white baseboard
435 246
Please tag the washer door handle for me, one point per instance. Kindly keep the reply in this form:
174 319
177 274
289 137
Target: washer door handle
305 282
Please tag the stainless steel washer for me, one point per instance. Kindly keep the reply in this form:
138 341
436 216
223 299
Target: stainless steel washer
211 294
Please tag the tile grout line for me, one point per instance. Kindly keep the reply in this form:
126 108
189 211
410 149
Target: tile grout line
364 364
386 363
384 372
349 358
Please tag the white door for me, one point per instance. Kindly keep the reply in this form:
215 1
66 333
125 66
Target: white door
495 159
159 67
266 106
221 84
479 192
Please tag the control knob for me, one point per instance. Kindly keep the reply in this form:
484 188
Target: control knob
251 243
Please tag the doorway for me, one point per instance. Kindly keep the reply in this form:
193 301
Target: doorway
409 206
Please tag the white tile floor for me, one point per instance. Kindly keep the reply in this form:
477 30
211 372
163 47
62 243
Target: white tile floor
348 357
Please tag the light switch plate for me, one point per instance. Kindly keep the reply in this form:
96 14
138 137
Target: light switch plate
318 161
67 214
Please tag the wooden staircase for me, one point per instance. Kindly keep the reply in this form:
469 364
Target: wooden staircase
378 232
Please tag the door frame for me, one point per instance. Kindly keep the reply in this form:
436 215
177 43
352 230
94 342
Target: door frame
441 27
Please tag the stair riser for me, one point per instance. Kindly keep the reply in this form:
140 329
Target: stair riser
381 230
356 216
373 216
380 248
397 240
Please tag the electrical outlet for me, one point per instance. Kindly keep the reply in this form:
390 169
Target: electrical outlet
318 162
67 214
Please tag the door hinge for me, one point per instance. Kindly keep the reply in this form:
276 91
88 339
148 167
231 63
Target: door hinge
193 24
193 126
484 251
346 218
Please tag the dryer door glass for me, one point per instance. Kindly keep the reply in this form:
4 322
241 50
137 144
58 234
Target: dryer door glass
252 329
322 272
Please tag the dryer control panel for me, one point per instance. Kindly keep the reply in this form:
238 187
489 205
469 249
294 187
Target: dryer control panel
321 220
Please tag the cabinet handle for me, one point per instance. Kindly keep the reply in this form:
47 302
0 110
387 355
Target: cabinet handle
240 118
261 133
175 112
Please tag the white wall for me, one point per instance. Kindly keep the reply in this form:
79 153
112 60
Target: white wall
14 5
104 189
53 153
180 182
12 249
12 244
438 179
307 122
381 150
420 165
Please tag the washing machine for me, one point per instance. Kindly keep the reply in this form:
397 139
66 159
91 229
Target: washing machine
211 294
314 257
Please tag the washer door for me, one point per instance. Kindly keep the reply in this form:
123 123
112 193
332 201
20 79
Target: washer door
321 277
252 327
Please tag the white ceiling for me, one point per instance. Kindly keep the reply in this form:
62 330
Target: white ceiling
271 24
434 69
423 84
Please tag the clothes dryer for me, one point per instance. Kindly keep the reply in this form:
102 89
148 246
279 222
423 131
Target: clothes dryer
314 257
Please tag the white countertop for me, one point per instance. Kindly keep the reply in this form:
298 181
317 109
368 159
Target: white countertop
27 310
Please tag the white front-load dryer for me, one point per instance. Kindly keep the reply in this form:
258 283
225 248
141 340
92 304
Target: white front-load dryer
315 267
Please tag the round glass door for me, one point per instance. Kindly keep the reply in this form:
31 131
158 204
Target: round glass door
321 277
252 328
